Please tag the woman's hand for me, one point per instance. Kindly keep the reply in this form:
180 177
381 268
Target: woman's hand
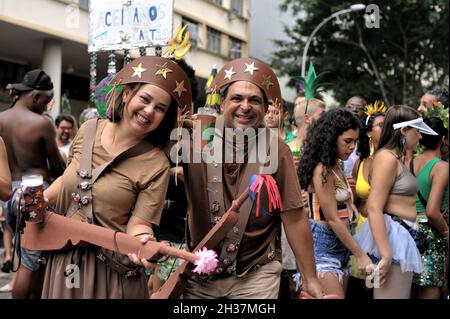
305 198
365 265
381 270
143 262
313 288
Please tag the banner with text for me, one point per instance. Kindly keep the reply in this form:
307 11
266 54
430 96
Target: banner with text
129 24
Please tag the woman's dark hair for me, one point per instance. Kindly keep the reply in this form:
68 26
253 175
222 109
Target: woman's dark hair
431 142
363 146
320 145
190 72
390 138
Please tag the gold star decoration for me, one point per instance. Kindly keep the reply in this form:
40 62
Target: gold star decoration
250 68
180 88
267 82
163 70
138 70
229 74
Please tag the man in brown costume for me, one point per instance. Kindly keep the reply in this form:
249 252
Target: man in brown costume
250 255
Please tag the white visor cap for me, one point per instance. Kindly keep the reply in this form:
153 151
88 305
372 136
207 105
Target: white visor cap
418 124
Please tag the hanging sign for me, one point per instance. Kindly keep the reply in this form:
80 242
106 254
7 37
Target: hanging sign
129 24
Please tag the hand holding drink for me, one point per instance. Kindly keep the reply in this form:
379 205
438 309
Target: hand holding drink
32 201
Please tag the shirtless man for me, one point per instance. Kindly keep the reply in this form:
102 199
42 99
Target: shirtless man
30 143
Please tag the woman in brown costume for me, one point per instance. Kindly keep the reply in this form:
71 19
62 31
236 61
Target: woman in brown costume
128 196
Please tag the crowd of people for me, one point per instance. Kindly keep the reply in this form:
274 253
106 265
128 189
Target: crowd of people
363 188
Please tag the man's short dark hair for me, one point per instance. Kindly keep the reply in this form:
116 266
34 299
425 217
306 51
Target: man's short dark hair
64 117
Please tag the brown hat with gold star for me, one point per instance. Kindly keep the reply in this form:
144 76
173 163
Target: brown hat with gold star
251 70
162 72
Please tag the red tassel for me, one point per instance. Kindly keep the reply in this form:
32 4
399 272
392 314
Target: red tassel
272 191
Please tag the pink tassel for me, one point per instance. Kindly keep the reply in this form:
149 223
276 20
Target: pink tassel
206 261
272 191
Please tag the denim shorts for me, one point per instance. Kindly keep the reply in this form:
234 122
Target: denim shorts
331 255
30 259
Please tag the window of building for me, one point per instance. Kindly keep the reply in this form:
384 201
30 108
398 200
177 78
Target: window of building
84 3
218 2
234 48
237 7
213 43
193 30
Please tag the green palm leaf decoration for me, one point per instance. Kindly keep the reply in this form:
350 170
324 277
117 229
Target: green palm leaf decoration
312 83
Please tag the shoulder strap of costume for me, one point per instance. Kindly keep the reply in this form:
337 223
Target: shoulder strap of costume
214 176
82 201
230 248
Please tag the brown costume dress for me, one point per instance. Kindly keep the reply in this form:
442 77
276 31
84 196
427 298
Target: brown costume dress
134 186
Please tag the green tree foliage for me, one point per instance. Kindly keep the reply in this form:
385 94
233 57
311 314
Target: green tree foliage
396 63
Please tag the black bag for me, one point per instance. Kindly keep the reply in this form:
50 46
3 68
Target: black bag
419 237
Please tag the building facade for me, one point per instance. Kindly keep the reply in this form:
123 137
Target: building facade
266 25
53 35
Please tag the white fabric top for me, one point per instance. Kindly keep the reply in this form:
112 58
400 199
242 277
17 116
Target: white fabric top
65 149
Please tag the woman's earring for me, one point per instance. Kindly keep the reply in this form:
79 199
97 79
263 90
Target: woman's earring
403 147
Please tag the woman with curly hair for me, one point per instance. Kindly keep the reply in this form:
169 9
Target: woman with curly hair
431 201
329 140
391 206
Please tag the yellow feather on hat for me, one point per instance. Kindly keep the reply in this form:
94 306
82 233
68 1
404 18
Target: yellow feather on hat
376 107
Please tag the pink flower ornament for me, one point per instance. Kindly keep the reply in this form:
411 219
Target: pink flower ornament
206 261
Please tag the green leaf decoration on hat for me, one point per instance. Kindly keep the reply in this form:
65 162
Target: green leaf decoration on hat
313 83
101 92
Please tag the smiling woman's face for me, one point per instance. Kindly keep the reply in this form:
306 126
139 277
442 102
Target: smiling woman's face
146 109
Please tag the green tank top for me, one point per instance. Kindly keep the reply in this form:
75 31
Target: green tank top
423 178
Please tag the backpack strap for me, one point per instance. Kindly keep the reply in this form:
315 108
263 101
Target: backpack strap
421 198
